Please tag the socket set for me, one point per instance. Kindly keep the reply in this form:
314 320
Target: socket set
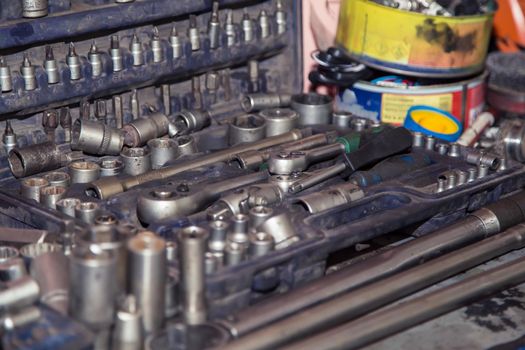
161 173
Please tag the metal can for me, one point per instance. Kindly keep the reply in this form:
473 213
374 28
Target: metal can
390 104
413 43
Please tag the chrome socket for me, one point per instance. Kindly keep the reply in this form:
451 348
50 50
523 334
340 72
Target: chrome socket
83 171
58 178
263 101
281 228
35 159
67 206
147 277
234 254
141 130
30 188
218 232
87 212
246 129
259 214
128 325
51 271
162 151
92 288
19 293
430 143
211 263
185 122
96 138
261 243
12 269
35 8
187 145
418 139
313 109
50 195
136 161
342 119
279 120
192 247
110 166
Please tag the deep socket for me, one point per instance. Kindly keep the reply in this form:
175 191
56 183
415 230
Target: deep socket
192 247
147 277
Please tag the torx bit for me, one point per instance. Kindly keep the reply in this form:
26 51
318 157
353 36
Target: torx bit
95 58
66 122
28 74
101 111
116 54
229 28
9 137
50 123
135 105
280 17
118 111
247 26
73 61
253 72
193 34
51 66
166 98
136 51
197 94
175 43
212 85
214 26
226 84
6 81
264 24
156 46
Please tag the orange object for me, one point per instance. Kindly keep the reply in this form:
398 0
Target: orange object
509 25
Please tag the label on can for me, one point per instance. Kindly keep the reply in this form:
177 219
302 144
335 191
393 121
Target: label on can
413 43
394 107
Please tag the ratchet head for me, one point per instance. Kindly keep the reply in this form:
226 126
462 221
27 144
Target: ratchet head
285 163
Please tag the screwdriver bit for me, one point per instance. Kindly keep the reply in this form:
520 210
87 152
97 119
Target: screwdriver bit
229 28
136 51
193 34
280 17
6 81
197 94
116 54
95 58
214 26
247 26
9 137
73 61
50 121
175 43
118 111
166 98
28 74
156 46
212 85
264 24
101 111
51 66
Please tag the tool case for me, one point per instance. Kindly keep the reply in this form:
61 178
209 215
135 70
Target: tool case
414 203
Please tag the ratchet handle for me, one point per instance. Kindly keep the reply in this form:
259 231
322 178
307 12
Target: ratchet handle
388 143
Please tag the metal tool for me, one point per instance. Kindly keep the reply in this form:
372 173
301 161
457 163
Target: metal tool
160 204
135 105
330 198
67 206
128 324
312 108
192 245
214 26
110 185
9 137
83 171
87 212
51 271
175 43
95 58
212 85
50 121
49 195
73 62
282 230
253 75
196 91
264 24
186 122
147 277
285 163
187 145
6 80
247 128
193 34
12 268
66 123
136 160
110 166
51 66
137 52
58 178
96 138
262 101
92 287
30 188
28 74
229 29
416 311
35 8
140 131
162 151
247 27
280 17
156 46
18 293
483 223
35 159
115 52
279 120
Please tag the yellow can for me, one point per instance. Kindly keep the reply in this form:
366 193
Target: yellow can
412 43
